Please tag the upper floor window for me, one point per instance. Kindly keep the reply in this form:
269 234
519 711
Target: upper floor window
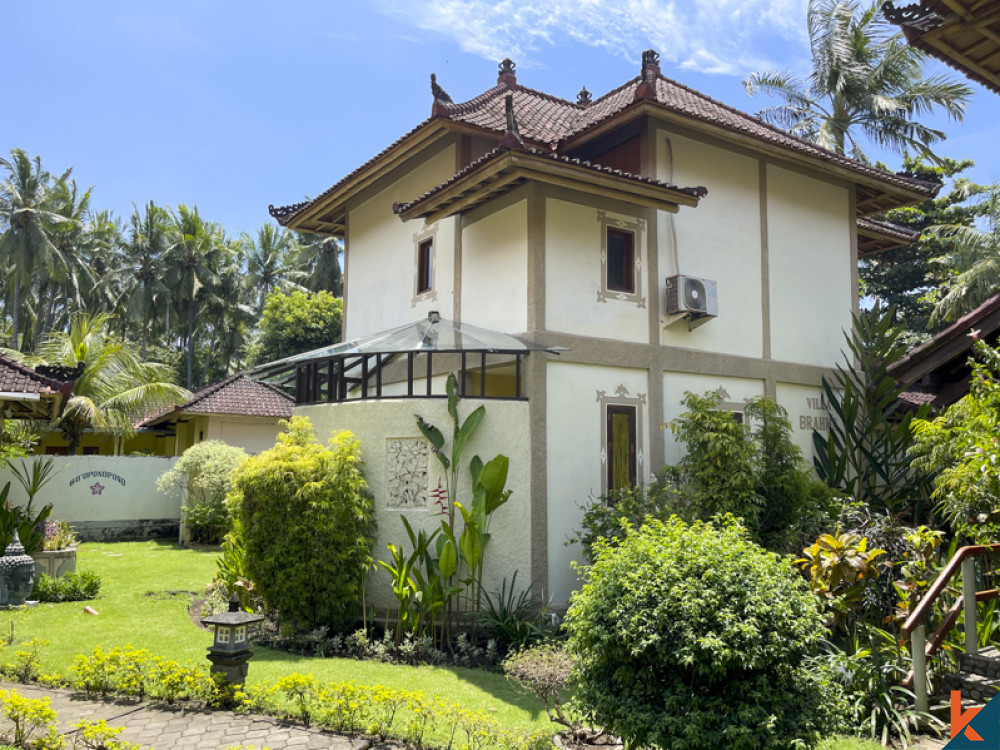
621 261
425 265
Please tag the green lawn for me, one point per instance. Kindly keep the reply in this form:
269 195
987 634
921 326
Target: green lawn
146 590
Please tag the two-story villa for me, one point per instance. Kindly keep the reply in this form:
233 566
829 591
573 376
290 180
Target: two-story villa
579 266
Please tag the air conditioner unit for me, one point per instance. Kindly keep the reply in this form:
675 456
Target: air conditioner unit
692 297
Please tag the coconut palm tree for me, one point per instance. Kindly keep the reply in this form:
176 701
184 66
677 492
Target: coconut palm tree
116 388
28 217
192 261
146 296
974 259
269 258
319 258
865 79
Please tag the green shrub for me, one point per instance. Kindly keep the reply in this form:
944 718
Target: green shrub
693 636
609 518
753 470
71 587
204 474
308 527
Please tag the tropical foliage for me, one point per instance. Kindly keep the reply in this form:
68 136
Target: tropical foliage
164 275
694 636
865 80
308 526
913 278
865 453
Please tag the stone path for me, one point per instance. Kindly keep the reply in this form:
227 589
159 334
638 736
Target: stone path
168 728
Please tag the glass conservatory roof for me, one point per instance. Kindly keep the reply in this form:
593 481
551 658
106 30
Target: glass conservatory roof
434 334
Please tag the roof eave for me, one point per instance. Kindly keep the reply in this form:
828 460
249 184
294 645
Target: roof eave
326 214
509 169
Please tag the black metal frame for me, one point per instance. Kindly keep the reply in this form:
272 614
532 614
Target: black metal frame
339 374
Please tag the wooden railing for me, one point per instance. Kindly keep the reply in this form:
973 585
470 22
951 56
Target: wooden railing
915 628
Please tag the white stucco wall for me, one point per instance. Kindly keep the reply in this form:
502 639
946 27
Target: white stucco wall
503 430
102 489
719 240
573 277
809 242
574 417
495 271
381 263
807 411
675 384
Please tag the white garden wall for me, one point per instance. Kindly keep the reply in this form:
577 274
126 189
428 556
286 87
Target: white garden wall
106 497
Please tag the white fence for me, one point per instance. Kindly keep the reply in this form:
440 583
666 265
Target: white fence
105 497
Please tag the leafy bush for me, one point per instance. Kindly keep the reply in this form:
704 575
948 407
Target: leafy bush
308 527
204 474
693 636
71 587
959 448
753 470
609 518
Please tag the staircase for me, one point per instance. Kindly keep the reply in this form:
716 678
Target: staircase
979 679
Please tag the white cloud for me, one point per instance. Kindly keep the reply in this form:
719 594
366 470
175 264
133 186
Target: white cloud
713 36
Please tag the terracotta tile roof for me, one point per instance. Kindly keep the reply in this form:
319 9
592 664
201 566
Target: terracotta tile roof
551 122
482 161
236 395
18 378
956 338
888 229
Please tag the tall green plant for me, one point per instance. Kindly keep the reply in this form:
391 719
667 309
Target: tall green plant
488 482
33 480
865 453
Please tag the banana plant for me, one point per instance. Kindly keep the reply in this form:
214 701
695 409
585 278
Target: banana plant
460 435
488 493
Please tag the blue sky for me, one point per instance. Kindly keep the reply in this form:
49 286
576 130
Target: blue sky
231 106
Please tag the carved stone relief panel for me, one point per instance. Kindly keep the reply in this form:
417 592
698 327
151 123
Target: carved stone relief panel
406 473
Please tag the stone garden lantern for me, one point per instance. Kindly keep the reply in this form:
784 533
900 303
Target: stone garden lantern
230 650
17 574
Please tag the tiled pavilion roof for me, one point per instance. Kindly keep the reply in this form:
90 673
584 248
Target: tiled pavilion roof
237 395
30 394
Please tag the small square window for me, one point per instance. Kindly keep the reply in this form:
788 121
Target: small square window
425 266
621 261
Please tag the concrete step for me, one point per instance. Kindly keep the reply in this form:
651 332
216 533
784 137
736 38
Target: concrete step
976 688
985 663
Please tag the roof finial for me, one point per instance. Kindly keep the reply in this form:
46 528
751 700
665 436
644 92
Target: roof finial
583 98
507 72
650 57
441 99
512 138
650 70
440 94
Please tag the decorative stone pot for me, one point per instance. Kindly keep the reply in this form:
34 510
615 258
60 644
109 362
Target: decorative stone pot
17 574
56 562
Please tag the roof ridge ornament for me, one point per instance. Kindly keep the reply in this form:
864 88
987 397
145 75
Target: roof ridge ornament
650 70
506 72
441 99
512 137
583 99
912 16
